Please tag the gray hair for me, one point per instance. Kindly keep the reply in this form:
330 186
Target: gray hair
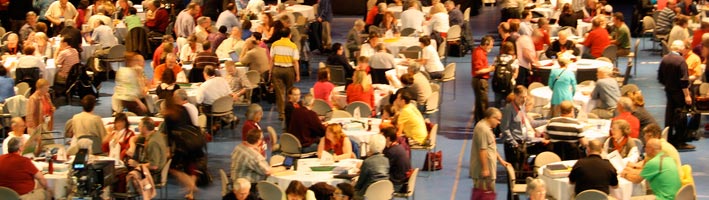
533 184
101 9
359 22
308 100
252 110
14 145
202 19
626 103
606 70
677 45
382 7
181 94
70 22
241 183
377 142
414 68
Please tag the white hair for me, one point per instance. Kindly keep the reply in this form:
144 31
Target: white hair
677 45
534 184
241 183
605 70
377 142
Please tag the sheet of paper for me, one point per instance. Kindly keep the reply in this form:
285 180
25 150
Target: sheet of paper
326 158
616 160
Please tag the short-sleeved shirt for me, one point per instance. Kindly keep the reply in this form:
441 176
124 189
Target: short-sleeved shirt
284 52
247 163
228 20
479 60
597 40
564 129
433 61
483 139
664 181
184 25
18 173
55 11
103 35
132 21
593 172
622 36
412 120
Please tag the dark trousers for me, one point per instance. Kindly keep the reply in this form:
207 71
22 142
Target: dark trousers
480 86
509 13
523 76
677 134
567 150
379 76
283 79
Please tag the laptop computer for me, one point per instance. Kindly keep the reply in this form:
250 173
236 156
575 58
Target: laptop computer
234 56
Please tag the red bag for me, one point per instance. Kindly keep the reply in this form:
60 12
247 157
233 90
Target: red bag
434 161
480 194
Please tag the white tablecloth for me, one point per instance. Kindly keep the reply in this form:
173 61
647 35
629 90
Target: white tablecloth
394 45
222 71
50 69
381 95
360 136
542 96
308 177
594 129
580 64
560 188
396 10
87 49
59 180
581 28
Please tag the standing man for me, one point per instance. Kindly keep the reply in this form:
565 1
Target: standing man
483 154
228 18
184 24
481 72
284 68
325 16
526 55
673 75
593 172
58 12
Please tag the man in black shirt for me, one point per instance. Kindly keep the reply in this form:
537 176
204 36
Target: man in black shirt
593 172
673 75
399 162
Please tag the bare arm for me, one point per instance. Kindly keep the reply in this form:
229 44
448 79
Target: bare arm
483 162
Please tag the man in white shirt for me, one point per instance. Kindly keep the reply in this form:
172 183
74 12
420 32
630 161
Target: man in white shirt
412 18
255 7
228 18
18 131
181 98
201 30
213 88
100 15
29 60
233 43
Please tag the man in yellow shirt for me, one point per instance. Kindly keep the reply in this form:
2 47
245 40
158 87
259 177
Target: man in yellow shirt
410 122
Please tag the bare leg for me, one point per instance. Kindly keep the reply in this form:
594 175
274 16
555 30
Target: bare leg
188 181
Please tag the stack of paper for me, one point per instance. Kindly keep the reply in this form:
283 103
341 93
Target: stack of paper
557 171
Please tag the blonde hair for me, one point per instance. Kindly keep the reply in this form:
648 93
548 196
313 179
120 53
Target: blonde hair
360 77
437 8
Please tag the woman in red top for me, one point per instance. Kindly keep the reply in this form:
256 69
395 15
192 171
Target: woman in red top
544 30
254 113
336 143
361 89
323 88
118 134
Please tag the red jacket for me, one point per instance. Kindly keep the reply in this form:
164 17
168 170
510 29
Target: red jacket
598 39
633 121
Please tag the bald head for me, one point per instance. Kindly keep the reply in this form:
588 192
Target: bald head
653 146
595 147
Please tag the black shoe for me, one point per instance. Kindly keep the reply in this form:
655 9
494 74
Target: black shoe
686 146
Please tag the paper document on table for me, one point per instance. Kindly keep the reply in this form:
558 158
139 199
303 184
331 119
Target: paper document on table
356 114
616 160
326 158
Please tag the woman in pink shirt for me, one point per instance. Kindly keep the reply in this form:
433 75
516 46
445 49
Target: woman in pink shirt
323 87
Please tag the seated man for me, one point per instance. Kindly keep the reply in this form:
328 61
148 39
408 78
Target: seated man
659 171
213 88
518 129
565 133
306 125
374 168
399 162
19 130
86 122
154 153
103 37
180 97
593 172
254 56
410 122
597 40
29 60
203 59
292 103
421 85
20 175
170 63
625 109
562 45
247 161
12 45
238 81
240 191
605 94
233 43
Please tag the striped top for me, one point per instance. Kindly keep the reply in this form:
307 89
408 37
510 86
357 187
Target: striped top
564 129
284 52
65 60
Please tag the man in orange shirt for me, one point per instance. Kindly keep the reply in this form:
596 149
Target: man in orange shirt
597 40
171 63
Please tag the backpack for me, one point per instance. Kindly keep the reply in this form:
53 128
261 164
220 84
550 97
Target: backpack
502 79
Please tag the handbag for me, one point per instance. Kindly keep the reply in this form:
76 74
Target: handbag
434 161
483 194
146 186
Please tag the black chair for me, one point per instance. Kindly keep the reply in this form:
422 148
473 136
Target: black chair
137 41
27 75
337 75
585 75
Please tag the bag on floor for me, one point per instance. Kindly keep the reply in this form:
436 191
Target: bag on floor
687 121
146 185
483 194
434 161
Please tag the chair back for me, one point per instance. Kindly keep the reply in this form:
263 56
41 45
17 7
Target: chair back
511 177
8 194
27 75
321 107
290 144
340 114
116 52
225 182
648 23
442 49
611 52
586 74
413 52
592 195
449 72
704 89
382 189
686 193
535 85
412 180
96 143
273 135
639 144
665 132
364 109
276 160
22 88
635 48
626 75
163 173
254 78
545 158
407 31
337 75
665 47
223 105
569 29
269 191
466 15
454 33
433 101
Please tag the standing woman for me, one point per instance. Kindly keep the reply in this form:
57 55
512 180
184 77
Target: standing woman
562 82
40 109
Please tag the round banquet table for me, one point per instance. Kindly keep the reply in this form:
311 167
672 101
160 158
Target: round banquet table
396 10
542 96
308 177
381 95
50 70
357 133
560 188
545 10
395 44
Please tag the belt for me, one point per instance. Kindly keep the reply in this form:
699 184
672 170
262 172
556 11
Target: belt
282 66
480 78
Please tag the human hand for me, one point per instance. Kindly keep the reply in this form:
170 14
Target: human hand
687 100
485 173
297 78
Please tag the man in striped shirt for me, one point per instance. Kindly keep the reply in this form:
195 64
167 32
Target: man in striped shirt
566 132
284 68
203 59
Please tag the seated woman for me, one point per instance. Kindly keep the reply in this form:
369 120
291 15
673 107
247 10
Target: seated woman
344 191
429 58
339 59
367 49
168 86
567 17
336 142
621 142
297 191
388 26
323 87
374 168
361 90
119 135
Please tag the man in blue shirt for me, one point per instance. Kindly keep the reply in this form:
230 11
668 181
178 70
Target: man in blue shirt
325 17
